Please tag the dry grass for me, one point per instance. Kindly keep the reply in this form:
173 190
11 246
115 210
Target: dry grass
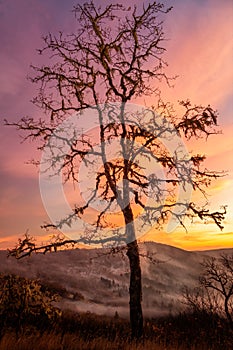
50 341
92 332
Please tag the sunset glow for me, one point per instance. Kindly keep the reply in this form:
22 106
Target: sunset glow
199 51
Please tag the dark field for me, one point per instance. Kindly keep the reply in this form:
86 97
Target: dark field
88 331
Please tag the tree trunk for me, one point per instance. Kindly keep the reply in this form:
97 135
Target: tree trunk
135 288
228 314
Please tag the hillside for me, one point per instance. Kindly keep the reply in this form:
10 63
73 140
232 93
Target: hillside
90 280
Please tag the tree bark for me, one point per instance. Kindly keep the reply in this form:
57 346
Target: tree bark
135 288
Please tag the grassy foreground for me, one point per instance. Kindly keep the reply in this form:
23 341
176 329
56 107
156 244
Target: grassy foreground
88 331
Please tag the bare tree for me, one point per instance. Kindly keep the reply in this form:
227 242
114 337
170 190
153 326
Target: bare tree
218 276
215 291
114 57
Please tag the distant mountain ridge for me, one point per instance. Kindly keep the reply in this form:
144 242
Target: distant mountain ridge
90 280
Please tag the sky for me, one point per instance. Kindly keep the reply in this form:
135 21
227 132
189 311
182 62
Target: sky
199 51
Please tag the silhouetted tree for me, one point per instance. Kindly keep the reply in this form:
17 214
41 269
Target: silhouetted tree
214 295
116 56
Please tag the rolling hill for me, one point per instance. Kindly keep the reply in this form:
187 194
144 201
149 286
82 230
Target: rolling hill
91 280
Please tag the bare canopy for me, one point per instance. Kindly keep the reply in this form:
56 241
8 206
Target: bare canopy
114 57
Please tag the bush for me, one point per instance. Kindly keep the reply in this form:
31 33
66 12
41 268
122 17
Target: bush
25 301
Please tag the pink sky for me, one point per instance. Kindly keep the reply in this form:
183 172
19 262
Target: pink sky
199 50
